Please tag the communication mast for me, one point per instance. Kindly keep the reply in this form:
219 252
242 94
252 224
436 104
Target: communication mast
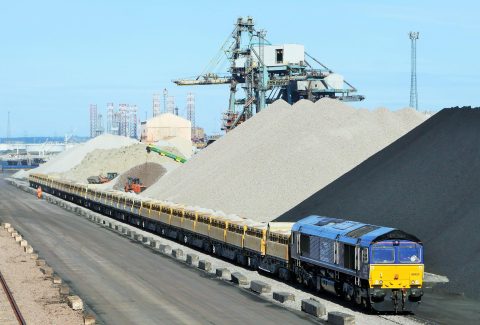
8 126
413 78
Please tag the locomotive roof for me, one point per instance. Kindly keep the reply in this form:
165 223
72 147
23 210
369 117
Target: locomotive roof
349 231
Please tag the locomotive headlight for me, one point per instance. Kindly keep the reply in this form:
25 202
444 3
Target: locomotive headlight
381 282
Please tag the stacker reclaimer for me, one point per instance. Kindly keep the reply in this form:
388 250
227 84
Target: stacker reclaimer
268 72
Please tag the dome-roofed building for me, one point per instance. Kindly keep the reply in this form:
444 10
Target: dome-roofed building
166 126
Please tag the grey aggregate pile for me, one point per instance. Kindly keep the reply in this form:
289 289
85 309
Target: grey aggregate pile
281 156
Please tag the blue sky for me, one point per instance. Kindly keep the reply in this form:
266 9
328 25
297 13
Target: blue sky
57 57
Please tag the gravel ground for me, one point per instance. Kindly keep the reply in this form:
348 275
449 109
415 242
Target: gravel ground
426 183
281 156
37 298
360 317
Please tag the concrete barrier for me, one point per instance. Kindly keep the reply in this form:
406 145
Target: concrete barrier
132 234
5 225
126 231
239 278
110 225
13 234
34 256
177 253
283 296
155 244
47 270
118 228
28 249
40 262
64 289
10 230
75 302
23 243
18 238
313 307
89 320
260 287
192 259
138 237
339 318
165 249
146 240
223 273
57 279
205 265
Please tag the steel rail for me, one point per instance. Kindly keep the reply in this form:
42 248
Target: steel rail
12 302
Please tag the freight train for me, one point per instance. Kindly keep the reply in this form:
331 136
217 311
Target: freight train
376 267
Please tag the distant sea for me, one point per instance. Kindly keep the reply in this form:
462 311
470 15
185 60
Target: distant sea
42 139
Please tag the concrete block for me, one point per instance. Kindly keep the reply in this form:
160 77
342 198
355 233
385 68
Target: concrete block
223 273
260 286
146 240
239 278
283 296
34 256
28 249
177 253
165 249
339 318
132 234
18 238
64 289
155 244
89 320
110 225
205 265
138 237
13 234
192 259
313 307
10 229
118 228
126 231
75 302
40 262
57 279
5 225
47 270
23 243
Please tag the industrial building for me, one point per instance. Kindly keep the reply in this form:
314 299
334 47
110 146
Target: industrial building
122 121
165 126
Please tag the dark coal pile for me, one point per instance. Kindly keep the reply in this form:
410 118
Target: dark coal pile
426 183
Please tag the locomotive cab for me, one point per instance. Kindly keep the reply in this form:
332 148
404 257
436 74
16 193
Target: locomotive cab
396 274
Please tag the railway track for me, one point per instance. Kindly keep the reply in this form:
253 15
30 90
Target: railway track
11 300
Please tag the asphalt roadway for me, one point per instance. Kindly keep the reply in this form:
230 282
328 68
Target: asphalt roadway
125 283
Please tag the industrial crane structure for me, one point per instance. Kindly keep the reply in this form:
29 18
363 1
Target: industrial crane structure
268 72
